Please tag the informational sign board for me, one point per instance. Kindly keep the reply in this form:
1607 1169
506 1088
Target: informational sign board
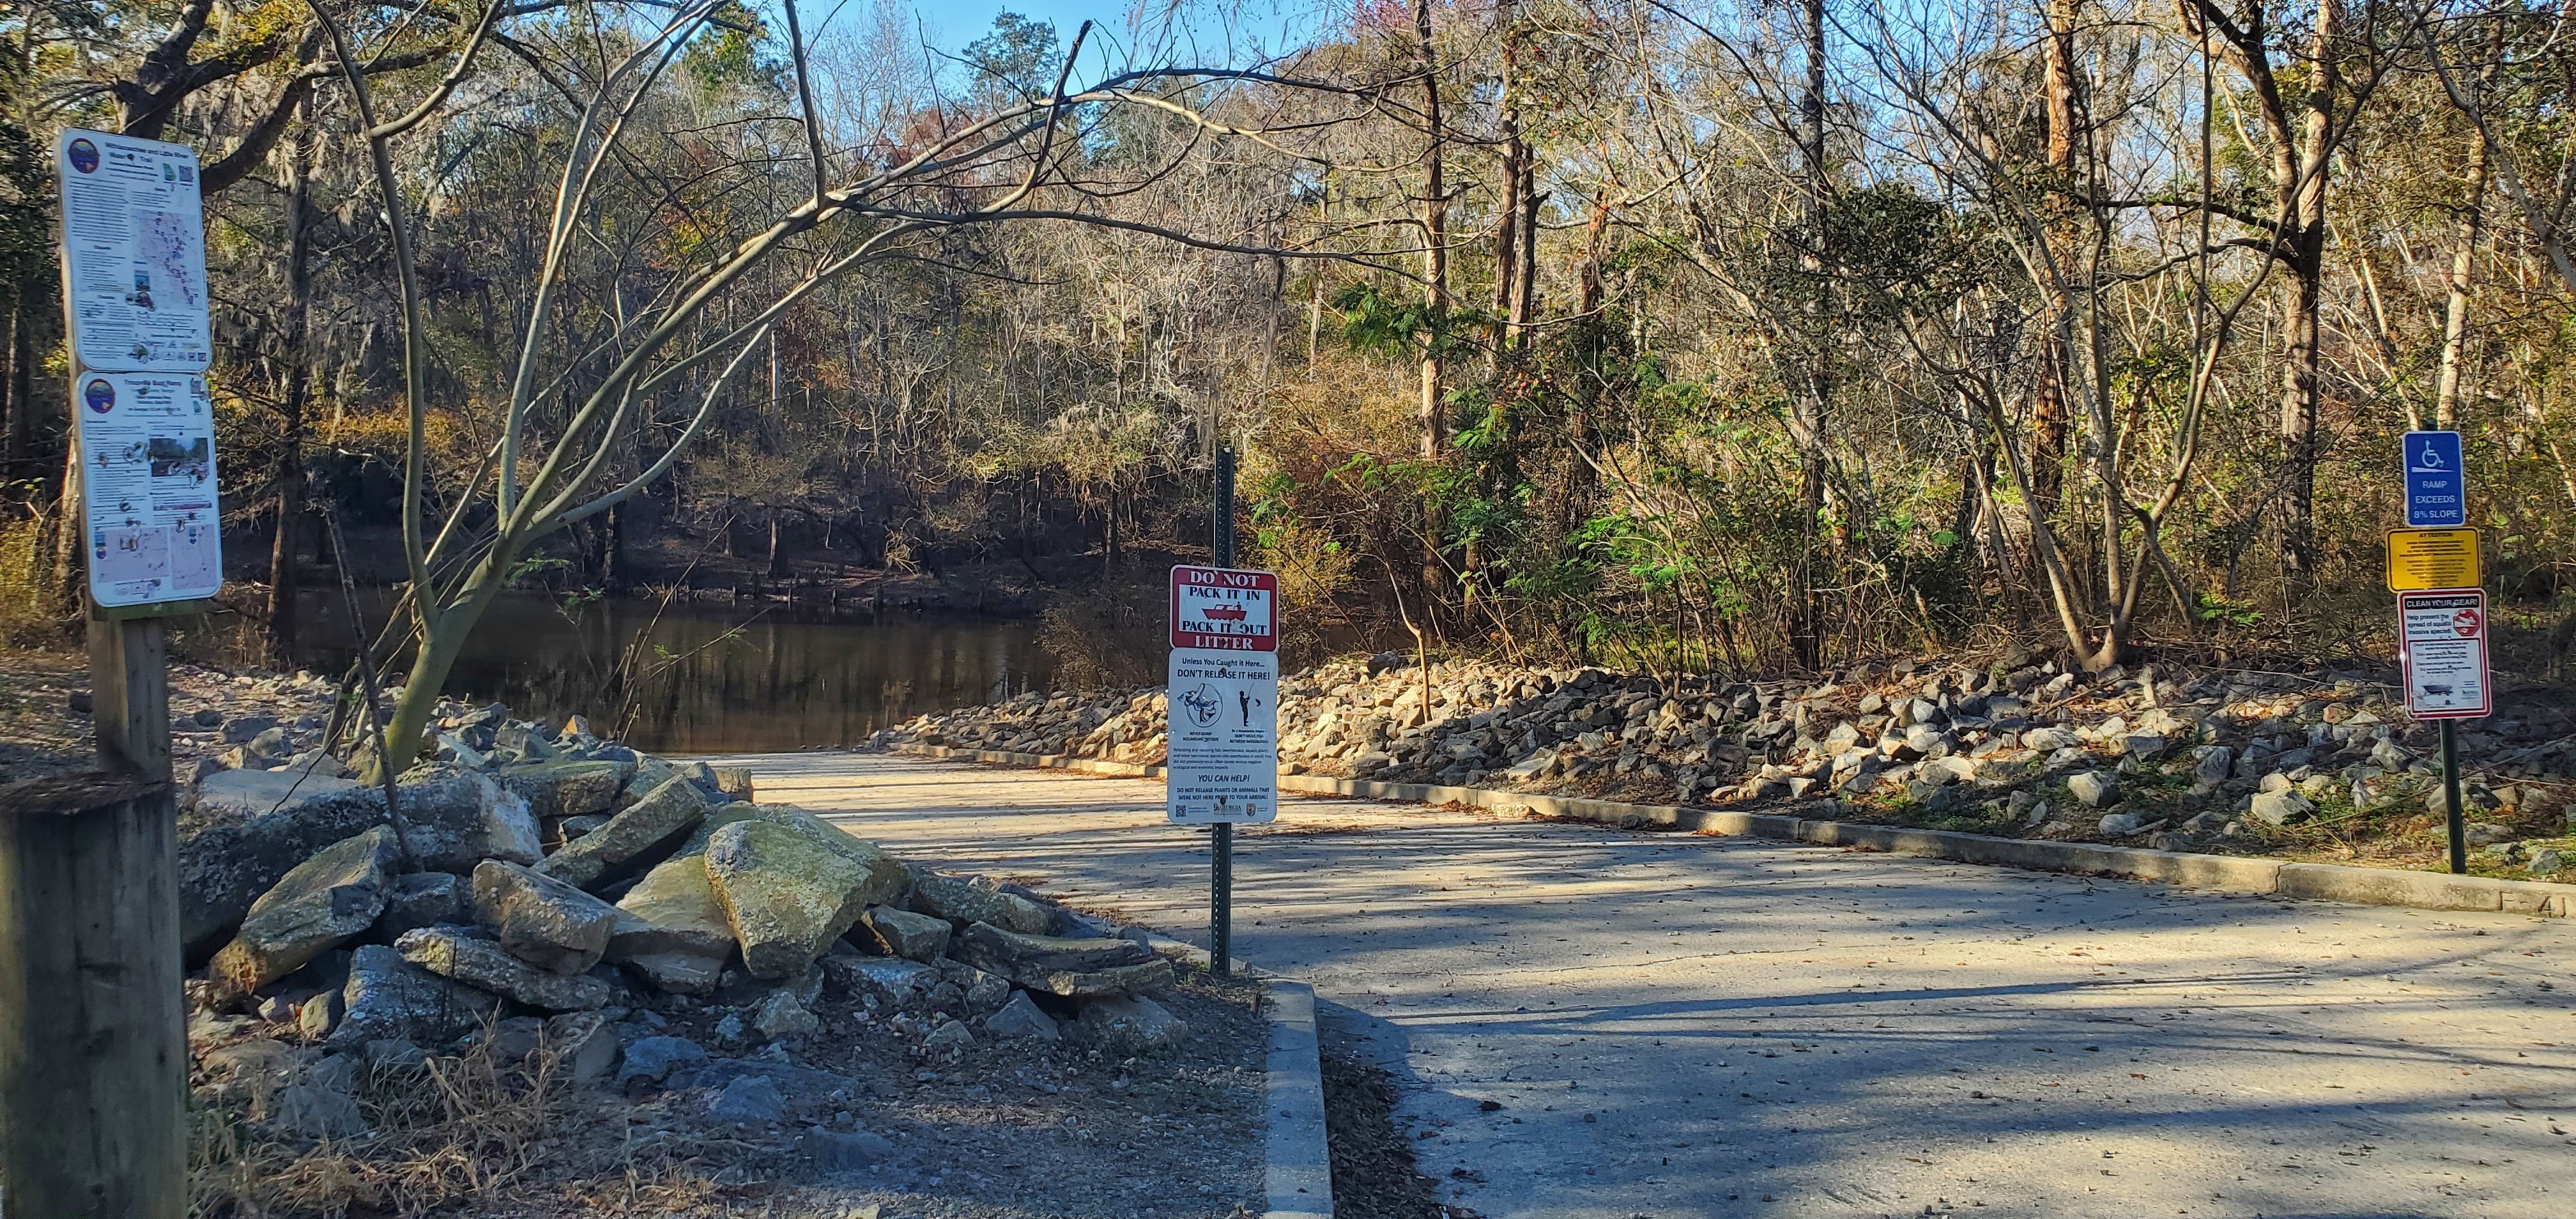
2426 559
1222 689
1223 764
2442 645
2436 484
1225 609
134 286
148 487
134 254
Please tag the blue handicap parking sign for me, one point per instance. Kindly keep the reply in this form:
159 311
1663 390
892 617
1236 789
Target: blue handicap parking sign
2436 487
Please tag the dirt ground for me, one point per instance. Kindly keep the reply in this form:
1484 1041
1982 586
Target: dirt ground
1374 1175
996 1130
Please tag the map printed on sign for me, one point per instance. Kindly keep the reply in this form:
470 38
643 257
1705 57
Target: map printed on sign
147 448
1225 609
134 254
2442 645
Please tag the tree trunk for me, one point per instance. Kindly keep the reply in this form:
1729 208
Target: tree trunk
615 571
1507 214
1808 399
1435 232
13 430
2455 317
1435 282
2305 214
2049 414
299 381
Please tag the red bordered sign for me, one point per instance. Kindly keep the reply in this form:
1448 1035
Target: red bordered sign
1223 609
2442 644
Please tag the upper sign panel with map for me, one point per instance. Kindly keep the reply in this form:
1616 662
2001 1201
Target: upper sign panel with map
134 243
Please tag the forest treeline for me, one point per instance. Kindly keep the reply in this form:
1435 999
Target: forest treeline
1674 334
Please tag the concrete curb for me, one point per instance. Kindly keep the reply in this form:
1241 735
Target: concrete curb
1299 1177
1297 1173
2226 873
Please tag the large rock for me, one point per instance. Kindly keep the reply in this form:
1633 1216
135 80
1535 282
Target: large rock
666 812
886 872
320 904
679 973
426 899
1075 968
654 1058
888 981
787 895
567 789
976 899
1128 1025
902 933
1021 1017
452 820
672 929
459 955
237 795
388 998
751 1100
650 774
541 920
225 867
456 818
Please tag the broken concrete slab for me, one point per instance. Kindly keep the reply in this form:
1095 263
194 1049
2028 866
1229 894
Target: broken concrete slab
319 904
460 955
666 812
541 920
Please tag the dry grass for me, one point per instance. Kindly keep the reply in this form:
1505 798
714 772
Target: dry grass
466 1131
29 614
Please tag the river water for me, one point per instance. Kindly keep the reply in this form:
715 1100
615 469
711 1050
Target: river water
703 678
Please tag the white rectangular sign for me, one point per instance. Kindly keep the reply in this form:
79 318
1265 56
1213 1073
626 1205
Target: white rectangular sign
1223 763
2442 644
134 290
147 446
134 254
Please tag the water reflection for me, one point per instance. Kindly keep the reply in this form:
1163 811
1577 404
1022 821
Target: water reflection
706 678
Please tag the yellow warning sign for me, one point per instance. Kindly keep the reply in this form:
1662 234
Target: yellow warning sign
2420 559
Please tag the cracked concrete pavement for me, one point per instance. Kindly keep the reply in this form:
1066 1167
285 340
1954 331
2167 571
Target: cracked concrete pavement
1597 1024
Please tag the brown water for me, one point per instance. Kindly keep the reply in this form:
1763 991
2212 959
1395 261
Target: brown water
698 678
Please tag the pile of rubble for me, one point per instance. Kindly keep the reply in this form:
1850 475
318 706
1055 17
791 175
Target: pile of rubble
552 888
2179 760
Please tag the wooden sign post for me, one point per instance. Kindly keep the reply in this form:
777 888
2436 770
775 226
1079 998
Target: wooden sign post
93 1034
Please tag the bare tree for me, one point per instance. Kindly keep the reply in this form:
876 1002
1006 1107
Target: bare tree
1020 162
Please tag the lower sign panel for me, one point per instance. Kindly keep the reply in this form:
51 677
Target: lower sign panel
2442 642
1224 734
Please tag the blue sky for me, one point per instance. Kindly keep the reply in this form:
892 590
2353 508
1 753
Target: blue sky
959 22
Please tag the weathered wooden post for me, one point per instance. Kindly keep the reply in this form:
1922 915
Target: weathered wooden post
93 1040
93 1035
